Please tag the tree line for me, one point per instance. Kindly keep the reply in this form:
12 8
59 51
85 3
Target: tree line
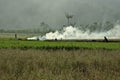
45 28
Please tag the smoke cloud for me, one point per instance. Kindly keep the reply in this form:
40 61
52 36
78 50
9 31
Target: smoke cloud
75 33
20 14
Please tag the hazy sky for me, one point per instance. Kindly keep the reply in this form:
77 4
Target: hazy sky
30 13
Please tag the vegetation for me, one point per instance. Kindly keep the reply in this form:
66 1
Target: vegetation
19 35
45 28
16 64
7 43
59 60
37 30
98 26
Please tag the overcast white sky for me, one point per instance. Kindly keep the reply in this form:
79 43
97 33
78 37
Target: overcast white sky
29 13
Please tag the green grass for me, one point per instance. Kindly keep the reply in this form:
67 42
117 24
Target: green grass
16 64
59 60
11 43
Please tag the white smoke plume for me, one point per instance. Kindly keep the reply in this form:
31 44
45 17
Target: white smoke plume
75 33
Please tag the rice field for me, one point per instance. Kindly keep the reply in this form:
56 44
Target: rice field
70 45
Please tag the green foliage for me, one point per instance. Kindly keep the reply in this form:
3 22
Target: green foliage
4 43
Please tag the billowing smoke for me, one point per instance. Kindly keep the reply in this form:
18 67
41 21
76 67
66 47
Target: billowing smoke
75 33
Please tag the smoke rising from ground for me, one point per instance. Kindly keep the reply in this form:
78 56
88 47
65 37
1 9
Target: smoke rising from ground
75 33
